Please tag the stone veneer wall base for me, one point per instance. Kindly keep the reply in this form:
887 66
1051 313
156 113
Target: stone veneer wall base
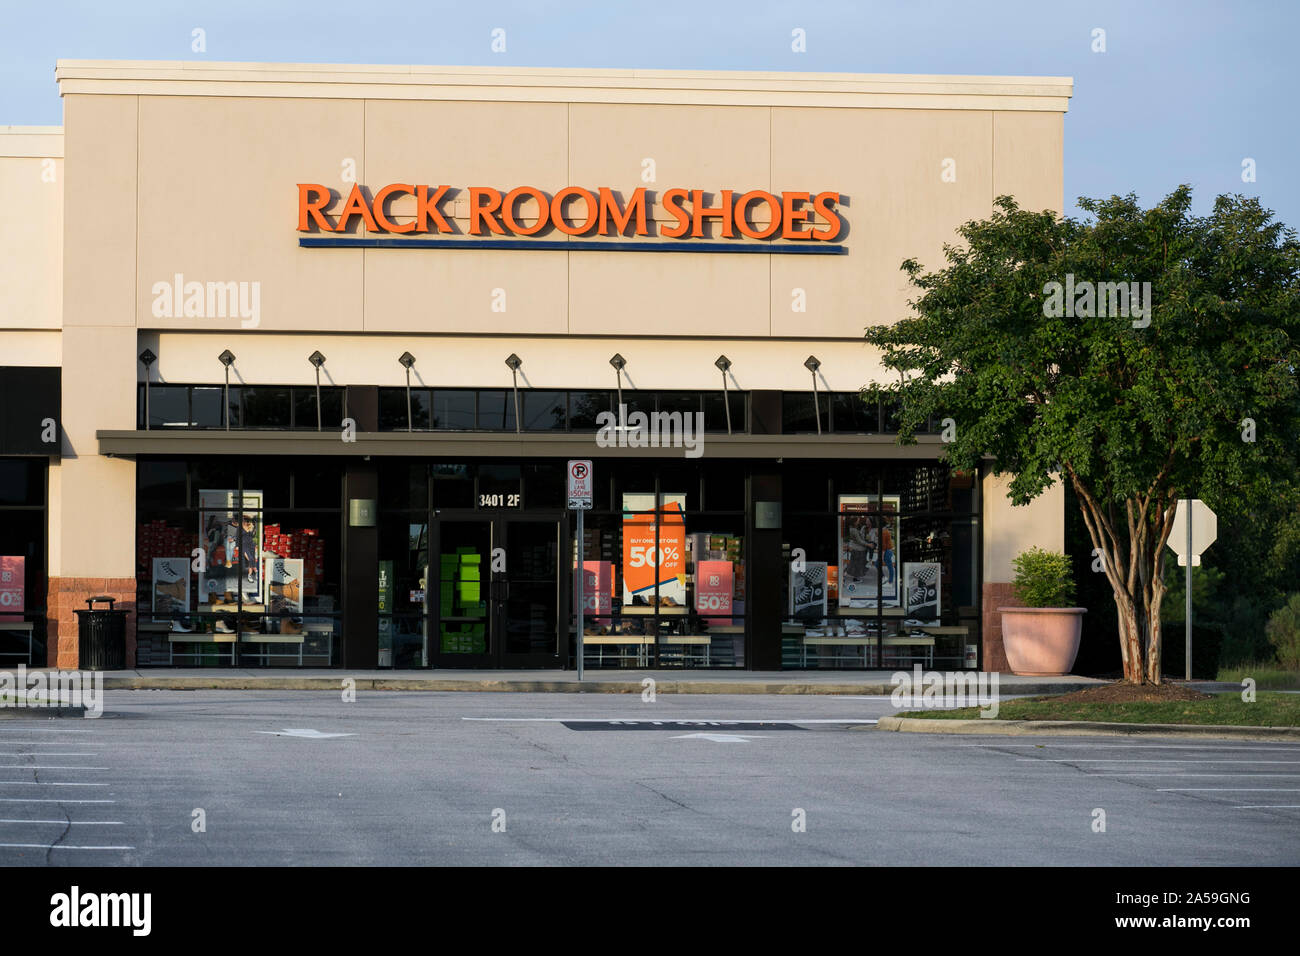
68 595
996 595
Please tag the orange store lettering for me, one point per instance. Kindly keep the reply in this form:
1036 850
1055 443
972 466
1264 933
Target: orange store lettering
575 211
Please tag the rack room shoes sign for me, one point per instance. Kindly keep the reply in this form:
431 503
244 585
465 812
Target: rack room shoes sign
528 217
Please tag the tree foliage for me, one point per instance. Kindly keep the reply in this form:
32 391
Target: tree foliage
1198 400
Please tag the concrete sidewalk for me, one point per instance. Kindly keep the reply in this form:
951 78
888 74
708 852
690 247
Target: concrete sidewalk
554 681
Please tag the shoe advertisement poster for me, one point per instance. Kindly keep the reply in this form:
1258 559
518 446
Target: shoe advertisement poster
808 592
868 537
232 544
12 584
921 585
648 562
284 592
171 591
598 593
714 584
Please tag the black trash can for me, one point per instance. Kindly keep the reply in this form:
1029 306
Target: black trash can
101 636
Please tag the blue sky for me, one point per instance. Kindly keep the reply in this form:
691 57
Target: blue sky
1184 92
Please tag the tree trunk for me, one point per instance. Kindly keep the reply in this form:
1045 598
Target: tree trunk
1156 647
1135 583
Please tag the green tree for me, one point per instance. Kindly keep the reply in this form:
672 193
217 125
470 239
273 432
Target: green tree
1054 376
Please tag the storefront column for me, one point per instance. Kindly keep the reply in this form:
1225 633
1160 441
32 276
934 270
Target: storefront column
764 570
1009 530
361 541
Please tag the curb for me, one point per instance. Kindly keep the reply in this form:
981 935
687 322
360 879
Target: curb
1080 728
334 683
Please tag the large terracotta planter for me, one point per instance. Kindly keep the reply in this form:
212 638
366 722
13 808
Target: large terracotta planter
1041 641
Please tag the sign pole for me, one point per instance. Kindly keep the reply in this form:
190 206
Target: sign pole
580 499
1188 648
582 591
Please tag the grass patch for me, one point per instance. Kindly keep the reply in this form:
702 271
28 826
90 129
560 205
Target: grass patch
1266 676
1268 710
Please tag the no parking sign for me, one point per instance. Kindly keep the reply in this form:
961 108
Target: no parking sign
581 484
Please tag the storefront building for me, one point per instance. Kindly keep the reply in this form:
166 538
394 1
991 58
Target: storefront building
293 360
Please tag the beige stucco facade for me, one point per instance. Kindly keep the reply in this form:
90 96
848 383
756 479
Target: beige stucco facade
190 169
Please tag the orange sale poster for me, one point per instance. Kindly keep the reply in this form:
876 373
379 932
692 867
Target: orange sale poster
654 550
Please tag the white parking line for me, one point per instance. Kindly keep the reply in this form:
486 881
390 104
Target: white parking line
1184 773
46 846
42 783
1227 790
25 753
1271 806
75 823
1145 760
43 766
1266 748
32 743
46 800
679 720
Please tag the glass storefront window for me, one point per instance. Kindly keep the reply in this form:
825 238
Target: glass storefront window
265 407
453 409
22 481
545 485
164 484
23 568
453 485
880 567
799 412
665 584
585 406
392 409
304 407
267 591
496 410
500 486
169 406
205 407
851 412
544 411
684 403
884 580
715 412
403 484
317 484
403 589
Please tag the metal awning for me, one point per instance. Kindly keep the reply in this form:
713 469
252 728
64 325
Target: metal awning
500 445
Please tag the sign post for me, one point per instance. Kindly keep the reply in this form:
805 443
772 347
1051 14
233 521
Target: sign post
580 500
1195 528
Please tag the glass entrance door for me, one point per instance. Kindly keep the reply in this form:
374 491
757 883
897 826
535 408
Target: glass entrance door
498 587
529 591
460 610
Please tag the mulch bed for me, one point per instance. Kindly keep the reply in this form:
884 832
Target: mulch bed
1121 693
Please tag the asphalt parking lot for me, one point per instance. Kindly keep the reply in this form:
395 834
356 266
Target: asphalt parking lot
243 777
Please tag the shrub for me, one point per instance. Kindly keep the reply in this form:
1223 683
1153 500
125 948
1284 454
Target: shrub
1283 631
1043 579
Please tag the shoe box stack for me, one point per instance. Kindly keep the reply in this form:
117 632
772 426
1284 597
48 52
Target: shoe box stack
158 539
306 544
461 593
